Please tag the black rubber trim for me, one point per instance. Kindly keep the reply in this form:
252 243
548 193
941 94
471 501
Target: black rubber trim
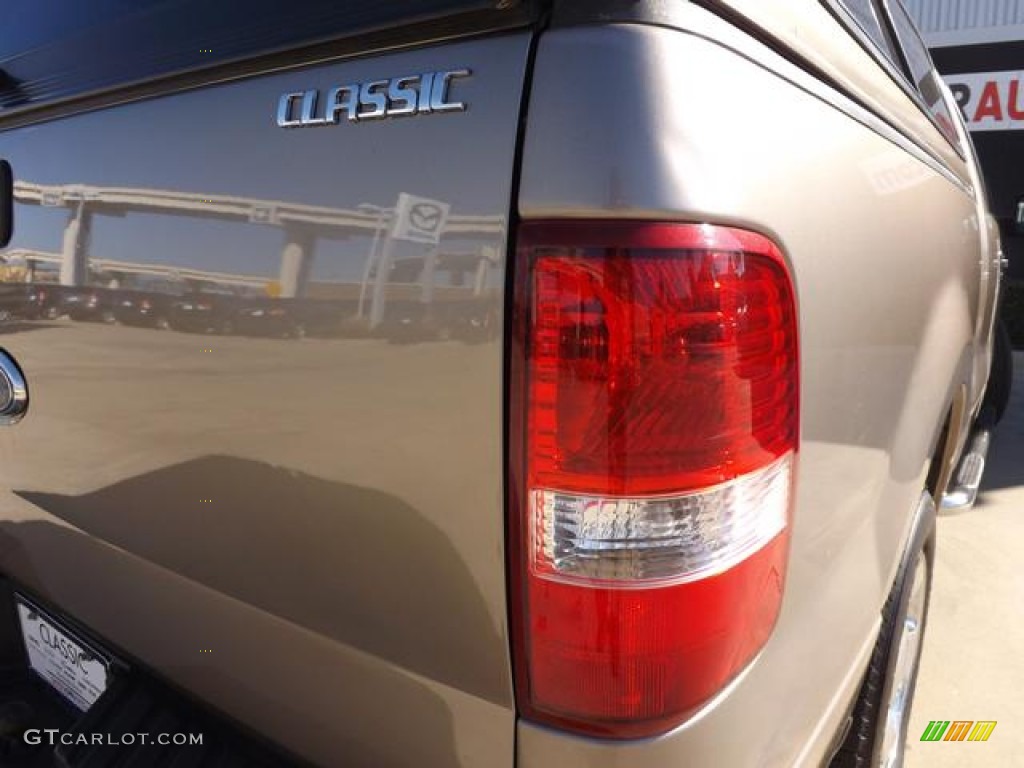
570 13
510 496
1000 378
856 744
6 203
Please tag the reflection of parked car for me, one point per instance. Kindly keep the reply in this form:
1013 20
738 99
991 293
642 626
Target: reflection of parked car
143 308
447 310
43 301
203 312
474 320
320 317
292 318
264 316
466 318
87 303
410 321
15 301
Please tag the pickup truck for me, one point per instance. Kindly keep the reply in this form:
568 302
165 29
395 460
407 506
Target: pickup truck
732 281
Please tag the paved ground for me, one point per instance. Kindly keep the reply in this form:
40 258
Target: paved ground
972 667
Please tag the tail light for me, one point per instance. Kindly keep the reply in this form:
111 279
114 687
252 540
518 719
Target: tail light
653 439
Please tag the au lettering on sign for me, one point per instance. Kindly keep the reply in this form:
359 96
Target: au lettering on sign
990 101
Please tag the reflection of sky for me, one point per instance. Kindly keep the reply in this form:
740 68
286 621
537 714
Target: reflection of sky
224 141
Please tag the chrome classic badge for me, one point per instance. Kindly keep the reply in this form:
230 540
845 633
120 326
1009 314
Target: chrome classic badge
372 100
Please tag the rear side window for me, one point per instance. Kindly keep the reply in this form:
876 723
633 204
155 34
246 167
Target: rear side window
866 16
921 70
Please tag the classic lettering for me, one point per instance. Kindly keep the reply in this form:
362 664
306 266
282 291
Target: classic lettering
370 96
284 110
309 115
421 94
402 98
71 653
344 98
425 85
439 92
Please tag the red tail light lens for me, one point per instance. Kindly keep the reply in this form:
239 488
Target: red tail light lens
653 441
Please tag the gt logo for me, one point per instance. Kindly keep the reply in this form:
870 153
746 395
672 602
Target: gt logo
372 100
960 730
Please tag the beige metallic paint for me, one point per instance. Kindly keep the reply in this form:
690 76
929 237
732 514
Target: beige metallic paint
886 257
324 515
350 575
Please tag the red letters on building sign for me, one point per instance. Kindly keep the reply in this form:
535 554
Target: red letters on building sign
990 103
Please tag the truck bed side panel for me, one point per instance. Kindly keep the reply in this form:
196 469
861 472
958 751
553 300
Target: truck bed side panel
883 245
307 533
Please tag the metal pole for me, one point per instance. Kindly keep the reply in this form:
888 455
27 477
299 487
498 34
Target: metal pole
372 257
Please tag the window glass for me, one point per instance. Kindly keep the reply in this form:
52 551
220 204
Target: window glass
918 60
922 72
866 16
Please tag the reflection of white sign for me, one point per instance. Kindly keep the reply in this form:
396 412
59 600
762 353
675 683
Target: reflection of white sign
419 219
990 101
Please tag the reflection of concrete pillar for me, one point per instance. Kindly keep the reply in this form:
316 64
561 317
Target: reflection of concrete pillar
371 258
380 282
74 265
296 260
429 273
480 280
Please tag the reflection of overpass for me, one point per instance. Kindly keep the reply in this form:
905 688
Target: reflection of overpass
300 224
155 270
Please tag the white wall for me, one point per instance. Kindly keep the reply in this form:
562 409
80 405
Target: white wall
967 22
